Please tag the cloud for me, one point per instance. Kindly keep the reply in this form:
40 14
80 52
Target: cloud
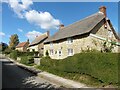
20 8
32 34
20 30
42 19
2 34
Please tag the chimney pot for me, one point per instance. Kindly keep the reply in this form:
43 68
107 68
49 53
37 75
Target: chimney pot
103 10
61 26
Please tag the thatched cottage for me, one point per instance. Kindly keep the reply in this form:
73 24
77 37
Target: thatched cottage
89 33
37 44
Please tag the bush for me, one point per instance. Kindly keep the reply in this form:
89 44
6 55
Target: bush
27 60
102 66
47 54
7 51
13 54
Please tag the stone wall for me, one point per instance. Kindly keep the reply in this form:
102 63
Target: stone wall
79 44
33 47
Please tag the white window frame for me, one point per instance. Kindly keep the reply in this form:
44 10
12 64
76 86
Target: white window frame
51 44
69 40
51 51
70 52
59 53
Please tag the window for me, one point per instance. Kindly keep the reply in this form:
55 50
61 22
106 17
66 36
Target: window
59 52
69 40
51 52
70 52
51 44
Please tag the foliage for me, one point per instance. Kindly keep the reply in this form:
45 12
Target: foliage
47 54
107 47
14 40
3 46
13 54
101 66
7 51
27 60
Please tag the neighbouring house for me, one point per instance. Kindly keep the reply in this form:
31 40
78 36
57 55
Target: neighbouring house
22 47
90 33
37 44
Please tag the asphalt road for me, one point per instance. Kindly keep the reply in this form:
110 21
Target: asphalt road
16 77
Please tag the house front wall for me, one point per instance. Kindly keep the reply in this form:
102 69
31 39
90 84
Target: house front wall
39 48
20 49
79 44
35 48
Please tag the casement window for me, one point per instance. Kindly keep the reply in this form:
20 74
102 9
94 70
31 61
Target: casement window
51 52
70 52
59 52
69 40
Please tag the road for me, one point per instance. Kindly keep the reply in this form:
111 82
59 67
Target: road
16 77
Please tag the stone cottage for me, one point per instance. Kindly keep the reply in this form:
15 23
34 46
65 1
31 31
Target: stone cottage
89 33
22 47
37 44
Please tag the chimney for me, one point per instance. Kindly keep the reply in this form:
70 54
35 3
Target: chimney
48 33
61 26
103 10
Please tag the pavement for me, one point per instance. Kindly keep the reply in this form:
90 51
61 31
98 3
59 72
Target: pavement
51 77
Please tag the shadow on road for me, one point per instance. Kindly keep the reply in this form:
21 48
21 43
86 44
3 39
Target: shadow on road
15 77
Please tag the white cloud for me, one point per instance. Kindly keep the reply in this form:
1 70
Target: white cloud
32 34
20 8
20 30
42 19
2 34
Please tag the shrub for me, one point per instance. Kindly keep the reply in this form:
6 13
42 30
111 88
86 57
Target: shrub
47 54
13 54
102 66
27 60
7 51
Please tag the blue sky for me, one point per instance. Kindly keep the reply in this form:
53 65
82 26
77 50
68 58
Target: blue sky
35 18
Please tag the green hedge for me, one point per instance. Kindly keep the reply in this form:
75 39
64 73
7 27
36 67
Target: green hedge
13 54
101 66
27 60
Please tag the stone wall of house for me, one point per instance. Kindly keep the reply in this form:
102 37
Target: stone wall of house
33 48
106 33
78 45
20 49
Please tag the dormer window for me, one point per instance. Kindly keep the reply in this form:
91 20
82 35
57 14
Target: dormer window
69 40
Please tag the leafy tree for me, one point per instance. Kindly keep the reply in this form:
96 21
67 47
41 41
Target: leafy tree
3 46
14 40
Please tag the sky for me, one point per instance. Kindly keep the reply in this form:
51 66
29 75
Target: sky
29 19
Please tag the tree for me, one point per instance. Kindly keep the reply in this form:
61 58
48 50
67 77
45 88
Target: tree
14 40
3 46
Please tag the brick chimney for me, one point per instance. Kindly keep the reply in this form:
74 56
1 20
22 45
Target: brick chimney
103 10
48 33
61 26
